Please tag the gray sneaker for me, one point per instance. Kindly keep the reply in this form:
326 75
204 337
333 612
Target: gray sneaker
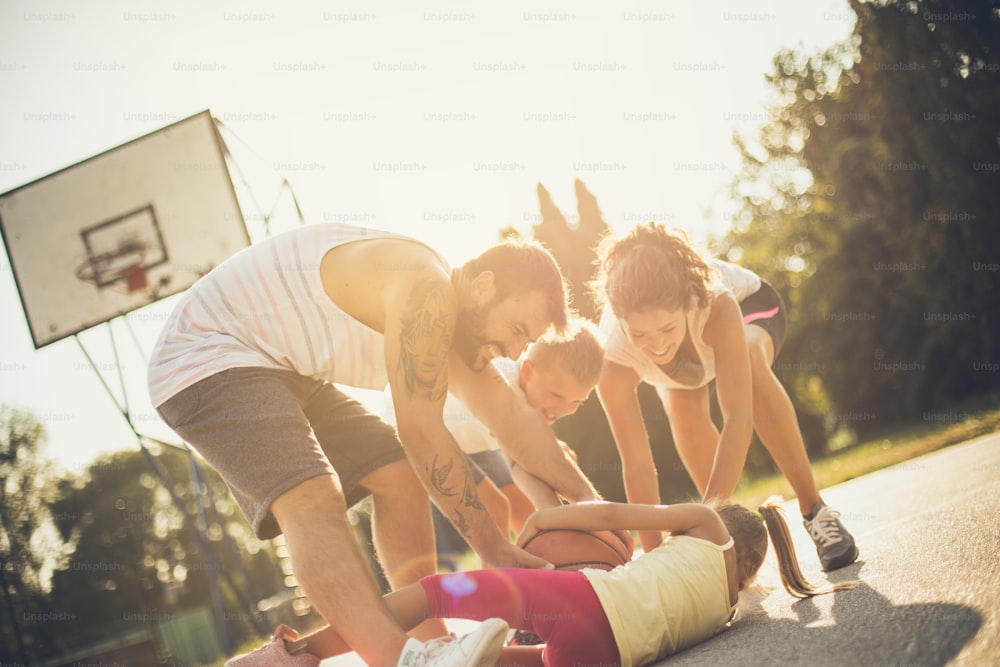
834 544
476 649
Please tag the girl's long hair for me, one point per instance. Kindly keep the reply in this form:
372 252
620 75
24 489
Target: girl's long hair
750 541
788 564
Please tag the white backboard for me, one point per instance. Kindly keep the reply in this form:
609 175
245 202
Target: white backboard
122 229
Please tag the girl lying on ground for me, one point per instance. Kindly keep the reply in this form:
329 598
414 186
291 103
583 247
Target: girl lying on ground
677 595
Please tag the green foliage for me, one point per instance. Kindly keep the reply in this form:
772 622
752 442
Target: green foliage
137 561
30 546
24 476
870 201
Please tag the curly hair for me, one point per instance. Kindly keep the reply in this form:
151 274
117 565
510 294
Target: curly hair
652 267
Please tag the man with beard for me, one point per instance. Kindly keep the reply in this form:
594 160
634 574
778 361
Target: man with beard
243 371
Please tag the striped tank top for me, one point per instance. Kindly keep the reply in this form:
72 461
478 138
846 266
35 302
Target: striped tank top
266 307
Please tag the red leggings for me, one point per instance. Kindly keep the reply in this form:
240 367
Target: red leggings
557 605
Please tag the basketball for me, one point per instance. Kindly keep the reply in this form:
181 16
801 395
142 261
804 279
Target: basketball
577 549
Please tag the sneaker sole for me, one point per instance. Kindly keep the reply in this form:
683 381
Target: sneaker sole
492 643
841 562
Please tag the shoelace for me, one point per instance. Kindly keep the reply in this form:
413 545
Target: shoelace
825 527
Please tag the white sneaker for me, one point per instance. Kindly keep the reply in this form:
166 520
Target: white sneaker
476 649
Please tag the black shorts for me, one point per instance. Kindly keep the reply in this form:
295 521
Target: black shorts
766 309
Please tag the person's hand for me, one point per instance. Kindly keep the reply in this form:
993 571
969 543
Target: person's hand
508 555
285 632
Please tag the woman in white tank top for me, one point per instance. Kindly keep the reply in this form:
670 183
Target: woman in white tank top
677 322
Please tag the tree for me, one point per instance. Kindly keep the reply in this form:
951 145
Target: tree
870 199
137 560
30 547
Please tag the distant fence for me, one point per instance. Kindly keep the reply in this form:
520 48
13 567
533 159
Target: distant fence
135 647
187 638
190 638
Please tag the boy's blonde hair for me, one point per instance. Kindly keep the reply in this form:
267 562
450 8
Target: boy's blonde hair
578 350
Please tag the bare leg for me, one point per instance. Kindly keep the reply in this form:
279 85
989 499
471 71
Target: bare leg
409 607
403 532
695 436
776 423
333 573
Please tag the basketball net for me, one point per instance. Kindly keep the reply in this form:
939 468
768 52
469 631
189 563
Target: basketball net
135 278
129 279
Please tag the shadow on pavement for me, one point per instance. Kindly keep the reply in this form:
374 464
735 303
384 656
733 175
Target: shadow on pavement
861 628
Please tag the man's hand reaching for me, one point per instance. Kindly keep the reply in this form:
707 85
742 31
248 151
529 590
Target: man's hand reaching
508 555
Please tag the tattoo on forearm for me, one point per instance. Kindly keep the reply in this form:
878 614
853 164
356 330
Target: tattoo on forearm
470 498
461 524
439 476
426 339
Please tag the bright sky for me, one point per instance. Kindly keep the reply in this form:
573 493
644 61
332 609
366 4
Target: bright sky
436 121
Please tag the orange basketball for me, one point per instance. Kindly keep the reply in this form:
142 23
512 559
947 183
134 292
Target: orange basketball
577 549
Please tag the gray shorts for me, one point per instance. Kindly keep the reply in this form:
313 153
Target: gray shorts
492 464
266 430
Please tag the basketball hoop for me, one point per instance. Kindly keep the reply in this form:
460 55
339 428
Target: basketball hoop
123 269
135 278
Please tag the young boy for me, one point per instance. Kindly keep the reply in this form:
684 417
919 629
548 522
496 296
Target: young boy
555 375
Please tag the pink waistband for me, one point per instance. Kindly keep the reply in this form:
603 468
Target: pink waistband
763 315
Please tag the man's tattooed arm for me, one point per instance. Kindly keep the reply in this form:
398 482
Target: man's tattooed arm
428 326
438 476
421 312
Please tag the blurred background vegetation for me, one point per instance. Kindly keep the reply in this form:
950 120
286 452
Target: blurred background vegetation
870 199
117 547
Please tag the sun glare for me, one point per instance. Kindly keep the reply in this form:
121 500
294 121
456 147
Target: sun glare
437 123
